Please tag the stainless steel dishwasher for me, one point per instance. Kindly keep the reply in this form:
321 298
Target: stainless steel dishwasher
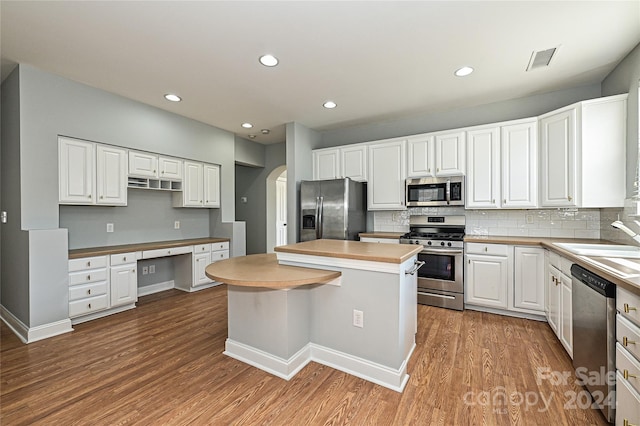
594 336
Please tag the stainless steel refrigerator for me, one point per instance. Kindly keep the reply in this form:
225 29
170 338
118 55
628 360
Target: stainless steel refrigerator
334 209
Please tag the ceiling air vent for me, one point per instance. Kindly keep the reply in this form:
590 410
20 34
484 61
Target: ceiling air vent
541 58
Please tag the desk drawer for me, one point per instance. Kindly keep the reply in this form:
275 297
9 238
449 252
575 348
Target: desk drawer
152 254
91 276
87 263
220 246
219 255
123 258
88 305
487 249
628 335
87 290
201 248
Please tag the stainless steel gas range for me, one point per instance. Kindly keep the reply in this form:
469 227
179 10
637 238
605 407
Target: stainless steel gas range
440 280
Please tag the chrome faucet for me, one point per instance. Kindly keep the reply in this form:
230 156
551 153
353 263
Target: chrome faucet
621 226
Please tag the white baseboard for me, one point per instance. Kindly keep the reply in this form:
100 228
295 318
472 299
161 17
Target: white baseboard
33 334
286 369
155 288
200 287
535 317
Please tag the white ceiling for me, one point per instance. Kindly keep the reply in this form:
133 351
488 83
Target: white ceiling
377 60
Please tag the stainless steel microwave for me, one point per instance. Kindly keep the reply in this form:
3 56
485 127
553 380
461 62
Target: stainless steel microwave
429 192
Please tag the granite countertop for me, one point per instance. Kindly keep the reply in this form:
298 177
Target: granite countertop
126 248
380 234
387 253
263 270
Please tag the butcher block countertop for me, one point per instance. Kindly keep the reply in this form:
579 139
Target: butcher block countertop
126 248
263 270
357 250
389 235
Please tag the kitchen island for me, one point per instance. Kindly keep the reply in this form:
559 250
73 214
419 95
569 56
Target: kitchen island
358 314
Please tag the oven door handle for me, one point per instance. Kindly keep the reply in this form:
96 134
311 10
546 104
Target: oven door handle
441 251
417 265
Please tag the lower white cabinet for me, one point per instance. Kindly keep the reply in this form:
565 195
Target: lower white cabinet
124 279
88 285
627 358
487 275
203 255
528 278
558 304
380 240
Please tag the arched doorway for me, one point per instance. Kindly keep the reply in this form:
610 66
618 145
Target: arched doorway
276 220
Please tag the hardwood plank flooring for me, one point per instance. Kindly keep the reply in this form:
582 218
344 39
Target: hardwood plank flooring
162 364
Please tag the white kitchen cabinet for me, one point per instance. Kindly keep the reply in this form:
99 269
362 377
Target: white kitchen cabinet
566 314
420 156
200 187
582 149
487 275
450 153
627 403
387 174
111 176
91 174
123 279
346 161
76 171
380 240
529 278
211 185
88 285
553 298
483 168
519 157
170 168
143 164
203 256
559 306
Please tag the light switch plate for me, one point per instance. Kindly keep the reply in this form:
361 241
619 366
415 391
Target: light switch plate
110 227
176 224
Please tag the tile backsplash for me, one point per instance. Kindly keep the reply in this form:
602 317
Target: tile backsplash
558 223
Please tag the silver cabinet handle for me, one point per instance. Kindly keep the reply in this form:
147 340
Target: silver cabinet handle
417 265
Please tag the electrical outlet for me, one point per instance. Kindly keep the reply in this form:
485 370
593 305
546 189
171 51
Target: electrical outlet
529 218
152 269
110 227
243 200
145 270
358 318
176 224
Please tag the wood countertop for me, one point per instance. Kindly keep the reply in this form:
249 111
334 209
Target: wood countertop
126 248
263 270
387 253
389 235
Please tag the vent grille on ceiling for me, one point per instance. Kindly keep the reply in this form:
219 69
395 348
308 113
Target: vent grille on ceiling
541 58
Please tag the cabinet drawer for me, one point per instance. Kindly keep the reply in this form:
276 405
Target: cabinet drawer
487 249
151 254
628 304
220 246
554 259
91 276
88 305
565 266
627 403
123 258
628 335
628 366
87 290
201 248
87 263
219 255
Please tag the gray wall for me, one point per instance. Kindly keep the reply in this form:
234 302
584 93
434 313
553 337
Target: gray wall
249 153
625 78
251 182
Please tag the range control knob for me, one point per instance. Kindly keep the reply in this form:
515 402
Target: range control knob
449 244
428 243
442 243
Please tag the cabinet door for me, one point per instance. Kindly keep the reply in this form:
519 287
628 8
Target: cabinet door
124 284
326 164
450 154
385 189
483 174
142 164
558 145
519 150
486 281
76 171
553 299
170 168
211 185
353 162
566 314
529 278
420 157
192 191
627 402
111 176
200 263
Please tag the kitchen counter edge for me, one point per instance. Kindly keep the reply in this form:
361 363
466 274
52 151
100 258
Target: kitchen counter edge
126 248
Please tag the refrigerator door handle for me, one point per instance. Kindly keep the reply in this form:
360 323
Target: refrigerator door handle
319 206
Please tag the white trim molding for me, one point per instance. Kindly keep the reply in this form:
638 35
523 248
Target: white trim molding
33 334
280 367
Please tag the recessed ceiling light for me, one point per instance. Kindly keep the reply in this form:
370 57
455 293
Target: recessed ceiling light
247 125
173 98
268 60
265 131
329 105
464 71
252 136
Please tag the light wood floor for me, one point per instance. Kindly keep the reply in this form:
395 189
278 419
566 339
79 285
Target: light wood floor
162 363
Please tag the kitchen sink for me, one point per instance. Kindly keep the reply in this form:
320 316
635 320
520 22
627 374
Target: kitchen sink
601 250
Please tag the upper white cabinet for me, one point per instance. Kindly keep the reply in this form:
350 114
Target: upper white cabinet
143 164
502 166
583 154
450 153
387 174
201 186
90 173
170 168
420 156
335 163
